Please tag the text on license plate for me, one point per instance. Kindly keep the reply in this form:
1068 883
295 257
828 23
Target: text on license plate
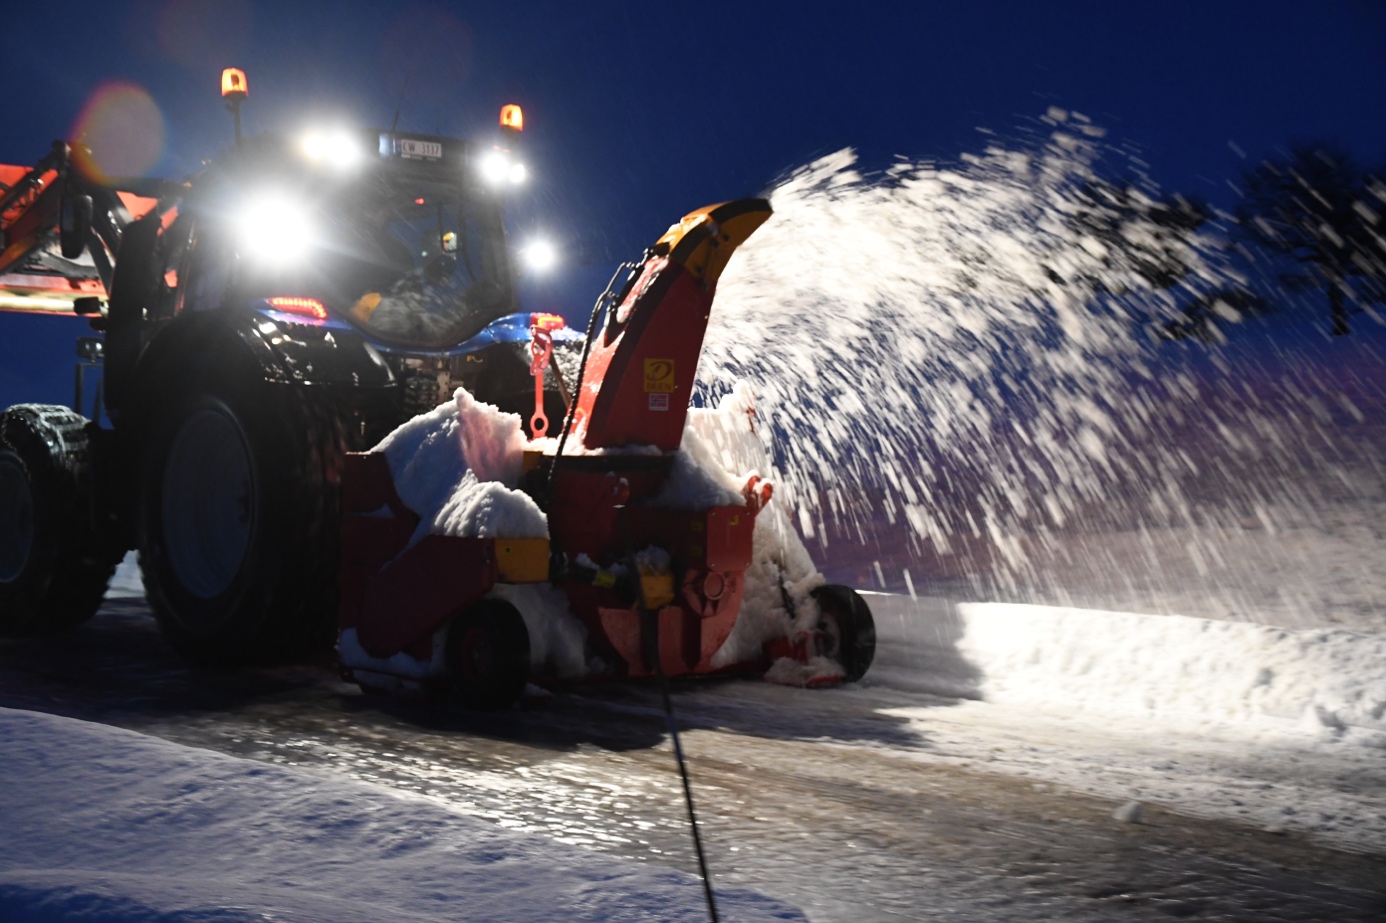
418 150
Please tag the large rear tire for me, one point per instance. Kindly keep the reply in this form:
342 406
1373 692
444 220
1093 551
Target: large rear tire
54 568
238 520
849 628
488 656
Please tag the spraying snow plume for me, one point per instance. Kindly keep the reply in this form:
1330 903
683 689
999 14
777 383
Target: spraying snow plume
966 355
962 307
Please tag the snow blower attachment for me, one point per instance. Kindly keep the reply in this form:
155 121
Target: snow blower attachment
653 572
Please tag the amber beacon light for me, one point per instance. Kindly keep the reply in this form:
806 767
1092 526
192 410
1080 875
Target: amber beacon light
233 85
512 117
234 90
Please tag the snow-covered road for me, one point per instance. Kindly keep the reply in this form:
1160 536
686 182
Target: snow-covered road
909 796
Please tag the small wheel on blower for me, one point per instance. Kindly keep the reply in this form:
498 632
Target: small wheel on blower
488 656
849 629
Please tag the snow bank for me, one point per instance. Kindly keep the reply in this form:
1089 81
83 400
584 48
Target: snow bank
1175 668
456 467
1137 671
143 830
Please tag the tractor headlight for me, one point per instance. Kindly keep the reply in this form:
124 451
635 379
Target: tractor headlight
498 168
539 255
274 228
334 148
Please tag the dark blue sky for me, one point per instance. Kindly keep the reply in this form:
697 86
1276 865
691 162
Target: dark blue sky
637 113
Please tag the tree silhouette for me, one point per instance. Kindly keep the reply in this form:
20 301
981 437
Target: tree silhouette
1319 213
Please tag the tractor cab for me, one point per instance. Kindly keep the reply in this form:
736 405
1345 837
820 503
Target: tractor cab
399 236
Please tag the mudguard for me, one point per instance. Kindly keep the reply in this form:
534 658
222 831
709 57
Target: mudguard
286 353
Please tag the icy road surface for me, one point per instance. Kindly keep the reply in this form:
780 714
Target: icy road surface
886 801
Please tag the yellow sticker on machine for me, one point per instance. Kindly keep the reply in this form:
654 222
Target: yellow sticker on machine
659 375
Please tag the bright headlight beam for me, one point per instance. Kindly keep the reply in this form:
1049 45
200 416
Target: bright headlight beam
335 148
495 167
274 228
518 173
539 255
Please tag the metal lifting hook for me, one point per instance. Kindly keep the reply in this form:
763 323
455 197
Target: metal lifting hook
541 328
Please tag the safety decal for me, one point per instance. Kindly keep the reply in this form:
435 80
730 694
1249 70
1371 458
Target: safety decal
659 400
659 375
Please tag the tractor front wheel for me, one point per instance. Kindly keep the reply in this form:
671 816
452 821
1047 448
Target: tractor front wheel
849 629
488 656
237 526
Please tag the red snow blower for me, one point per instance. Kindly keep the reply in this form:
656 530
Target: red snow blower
658 589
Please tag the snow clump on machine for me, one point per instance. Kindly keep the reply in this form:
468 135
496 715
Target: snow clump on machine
457 466
727 439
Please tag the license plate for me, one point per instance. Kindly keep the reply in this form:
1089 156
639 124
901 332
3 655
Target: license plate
410 149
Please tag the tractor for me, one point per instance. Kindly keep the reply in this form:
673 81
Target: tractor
299 297
293 304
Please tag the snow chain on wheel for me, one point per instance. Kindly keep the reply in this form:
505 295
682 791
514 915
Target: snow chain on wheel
849 628
54 568
238 521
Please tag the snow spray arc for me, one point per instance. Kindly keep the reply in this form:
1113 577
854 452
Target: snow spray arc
964 353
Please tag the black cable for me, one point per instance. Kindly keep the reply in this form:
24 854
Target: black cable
649 628
597 311
687 788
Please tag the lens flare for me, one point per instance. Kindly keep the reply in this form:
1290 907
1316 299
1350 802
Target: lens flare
124 130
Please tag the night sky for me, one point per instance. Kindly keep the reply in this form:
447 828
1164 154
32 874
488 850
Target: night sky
638 113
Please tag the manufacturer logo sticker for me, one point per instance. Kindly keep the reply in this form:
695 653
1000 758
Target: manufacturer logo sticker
659 375
659 401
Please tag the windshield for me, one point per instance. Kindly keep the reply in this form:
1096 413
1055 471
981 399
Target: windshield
415 263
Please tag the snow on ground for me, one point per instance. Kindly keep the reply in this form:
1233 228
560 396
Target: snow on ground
1176 671
1283 729
107 825
127 582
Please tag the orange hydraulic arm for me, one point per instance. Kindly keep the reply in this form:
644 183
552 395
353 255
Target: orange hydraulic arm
34 276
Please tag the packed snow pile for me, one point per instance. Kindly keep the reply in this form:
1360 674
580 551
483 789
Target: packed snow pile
142 830
457 466
1122 669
